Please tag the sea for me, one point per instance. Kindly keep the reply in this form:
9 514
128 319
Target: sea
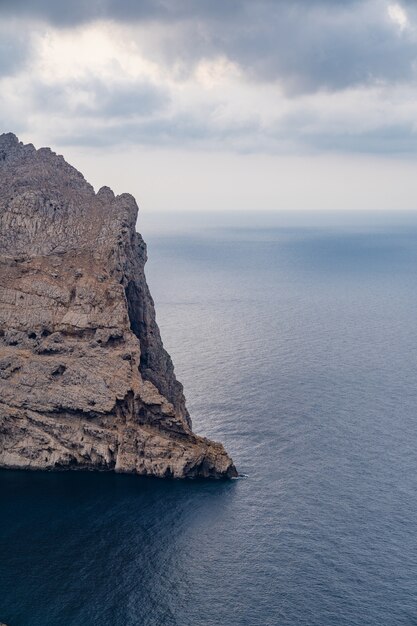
295 336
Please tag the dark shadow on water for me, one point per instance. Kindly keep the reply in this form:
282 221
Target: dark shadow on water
86 548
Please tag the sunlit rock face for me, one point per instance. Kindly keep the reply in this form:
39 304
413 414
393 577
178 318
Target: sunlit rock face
85 382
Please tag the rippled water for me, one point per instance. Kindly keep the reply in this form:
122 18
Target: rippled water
296 341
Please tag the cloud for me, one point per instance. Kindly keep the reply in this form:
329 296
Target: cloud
303 46
343 123
15 48
87 98
269 76
306 45
80 11
398 15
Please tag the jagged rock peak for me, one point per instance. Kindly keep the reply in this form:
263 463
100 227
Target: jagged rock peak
8 139
105 194
85 382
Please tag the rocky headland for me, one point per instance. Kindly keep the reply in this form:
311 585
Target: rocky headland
85 382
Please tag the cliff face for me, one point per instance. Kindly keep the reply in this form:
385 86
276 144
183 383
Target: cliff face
85 382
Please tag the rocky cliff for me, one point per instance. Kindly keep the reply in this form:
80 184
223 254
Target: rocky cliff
85 382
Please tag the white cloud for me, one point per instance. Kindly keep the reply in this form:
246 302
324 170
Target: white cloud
99 50
398 15
214 72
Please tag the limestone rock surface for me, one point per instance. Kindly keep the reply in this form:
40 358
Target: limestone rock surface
85 382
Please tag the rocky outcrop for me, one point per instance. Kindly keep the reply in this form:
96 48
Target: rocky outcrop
85 382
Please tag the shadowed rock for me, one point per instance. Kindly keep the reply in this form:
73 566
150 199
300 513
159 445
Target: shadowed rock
85 382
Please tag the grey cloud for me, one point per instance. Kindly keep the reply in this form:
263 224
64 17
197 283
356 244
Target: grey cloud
126 100
14 51
308 129
79 11
306 45
309 47
393 138
117 100
171 131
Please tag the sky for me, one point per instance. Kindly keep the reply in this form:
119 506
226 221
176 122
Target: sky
198 105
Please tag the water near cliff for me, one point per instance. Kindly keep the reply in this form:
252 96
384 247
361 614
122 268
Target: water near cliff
296 341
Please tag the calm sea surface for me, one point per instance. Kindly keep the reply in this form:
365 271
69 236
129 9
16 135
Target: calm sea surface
296 340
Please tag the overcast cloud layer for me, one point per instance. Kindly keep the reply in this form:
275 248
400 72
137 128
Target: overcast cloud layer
267 76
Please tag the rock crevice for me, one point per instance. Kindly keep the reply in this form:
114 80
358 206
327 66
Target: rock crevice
85 382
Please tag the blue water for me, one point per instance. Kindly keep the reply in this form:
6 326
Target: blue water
296 340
